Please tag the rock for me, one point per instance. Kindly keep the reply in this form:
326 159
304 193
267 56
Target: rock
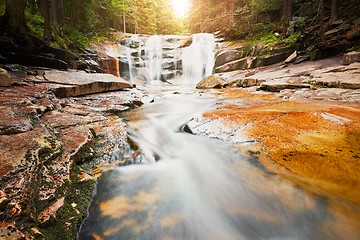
36 60
302 58
291 58
354 33
11 124
5 78
357 22
45 215
272 59
73 84
240 64
213 81
228 56
245 82
111 66
3 200
9 231
351 57
278 86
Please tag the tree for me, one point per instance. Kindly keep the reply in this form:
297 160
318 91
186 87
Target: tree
15 16
334 10
287 11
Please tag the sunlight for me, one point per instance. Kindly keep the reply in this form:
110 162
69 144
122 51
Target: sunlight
180 7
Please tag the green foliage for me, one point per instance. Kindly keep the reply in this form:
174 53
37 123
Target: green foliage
259 30
35 23
2 7
270 39
292 39
354 48
297 24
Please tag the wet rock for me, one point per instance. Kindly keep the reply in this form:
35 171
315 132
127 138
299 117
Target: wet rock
45 215
213 81
77 144
111 66
5 78
11 124
351 57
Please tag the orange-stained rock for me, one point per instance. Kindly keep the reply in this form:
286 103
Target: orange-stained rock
311 143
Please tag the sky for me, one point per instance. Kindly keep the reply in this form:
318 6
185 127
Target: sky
180 7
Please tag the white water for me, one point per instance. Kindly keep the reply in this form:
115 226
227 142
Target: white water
154 53
134 39
198 58
201 188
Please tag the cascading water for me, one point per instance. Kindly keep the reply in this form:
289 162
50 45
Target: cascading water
196 188
133 47
198 58
154 56
162 58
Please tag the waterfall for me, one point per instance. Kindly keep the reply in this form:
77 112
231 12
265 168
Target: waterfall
153 58
153 52
133 47
198 58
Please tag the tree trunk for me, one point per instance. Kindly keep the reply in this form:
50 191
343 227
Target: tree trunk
334 10
124 22
15 16
287 11
322 22
45 5
53 17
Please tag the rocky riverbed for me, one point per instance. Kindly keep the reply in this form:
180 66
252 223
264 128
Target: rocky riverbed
59 130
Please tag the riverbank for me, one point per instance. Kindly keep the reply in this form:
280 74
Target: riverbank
304 127
58 131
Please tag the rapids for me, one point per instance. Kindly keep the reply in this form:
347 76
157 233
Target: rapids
194 187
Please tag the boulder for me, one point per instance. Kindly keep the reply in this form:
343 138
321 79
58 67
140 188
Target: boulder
351 57
272 59
73 84
5 78
213 81
228 56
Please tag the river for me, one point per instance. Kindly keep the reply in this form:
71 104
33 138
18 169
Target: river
194 187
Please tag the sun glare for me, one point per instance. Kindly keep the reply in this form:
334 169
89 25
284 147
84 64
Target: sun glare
180 7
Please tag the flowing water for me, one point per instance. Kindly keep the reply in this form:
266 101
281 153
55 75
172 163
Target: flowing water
193 187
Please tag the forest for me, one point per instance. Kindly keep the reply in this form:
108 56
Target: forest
72 24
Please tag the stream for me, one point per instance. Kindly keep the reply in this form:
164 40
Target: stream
194 187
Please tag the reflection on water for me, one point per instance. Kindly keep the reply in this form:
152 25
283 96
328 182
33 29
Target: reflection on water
200 188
